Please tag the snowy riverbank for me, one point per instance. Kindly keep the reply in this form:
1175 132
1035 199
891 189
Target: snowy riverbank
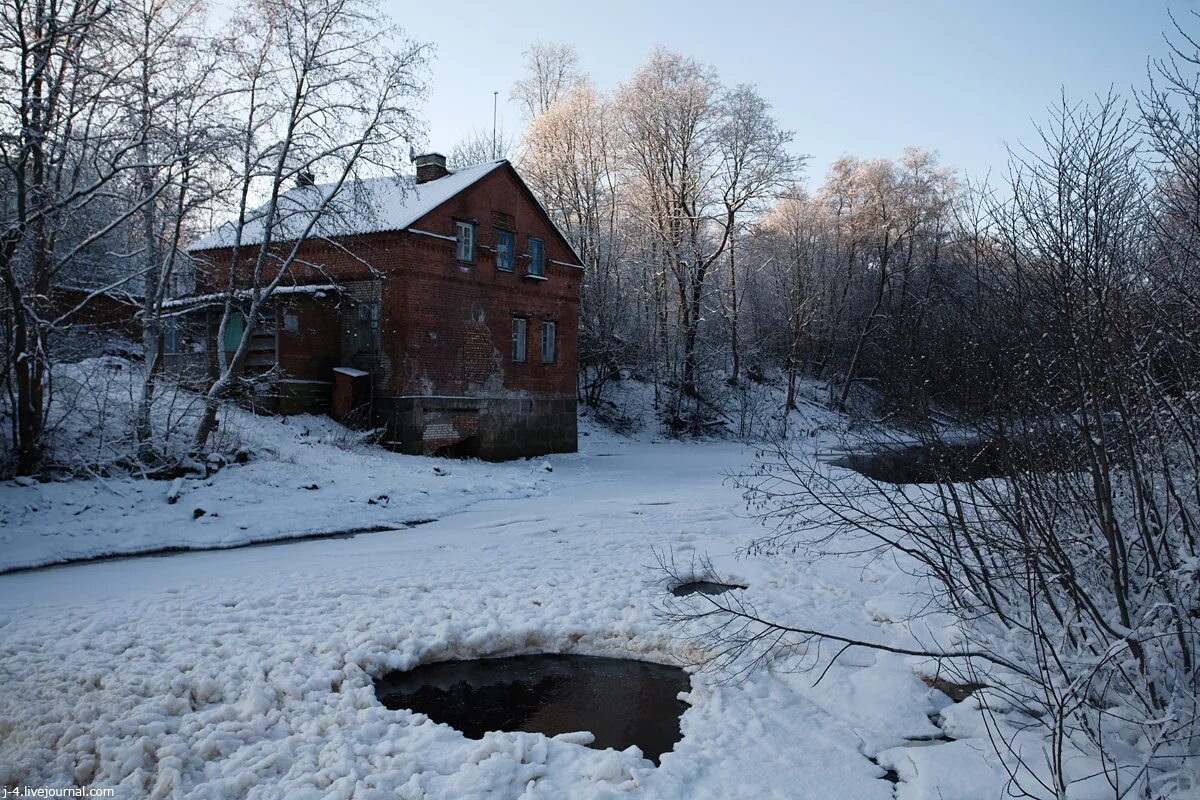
308 476
248 673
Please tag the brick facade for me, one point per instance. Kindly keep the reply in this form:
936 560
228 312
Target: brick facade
444 378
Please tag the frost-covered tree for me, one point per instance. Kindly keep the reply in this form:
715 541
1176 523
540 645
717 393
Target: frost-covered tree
1071 568
68 99
323 91
652 185
755 167
480 146
551 71
571 160
182 119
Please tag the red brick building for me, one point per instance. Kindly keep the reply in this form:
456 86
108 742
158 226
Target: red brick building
454 293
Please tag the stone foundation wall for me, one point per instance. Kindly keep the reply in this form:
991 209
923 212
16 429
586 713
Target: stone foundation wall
494 429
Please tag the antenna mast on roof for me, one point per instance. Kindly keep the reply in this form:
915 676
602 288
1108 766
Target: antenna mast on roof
495 101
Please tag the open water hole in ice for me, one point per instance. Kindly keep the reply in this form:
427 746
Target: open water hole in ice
704 587
621 702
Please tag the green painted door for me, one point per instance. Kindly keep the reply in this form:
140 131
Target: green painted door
233 332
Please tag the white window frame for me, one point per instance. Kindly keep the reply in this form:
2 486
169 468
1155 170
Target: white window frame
464 236
504 250
537 257
549 341
520 336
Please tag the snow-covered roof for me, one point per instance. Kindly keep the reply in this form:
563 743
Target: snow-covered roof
368 206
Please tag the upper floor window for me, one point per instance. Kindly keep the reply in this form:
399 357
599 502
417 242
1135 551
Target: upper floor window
464 232
519 336
504 251
537 262
549 345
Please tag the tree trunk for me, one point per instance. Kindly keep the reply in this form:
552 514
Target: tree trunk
734 349
691 325
868 326
30 373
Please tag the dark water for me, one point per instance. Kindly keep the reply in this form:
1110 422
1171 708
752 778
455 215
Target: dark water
620 701
704 587
966 461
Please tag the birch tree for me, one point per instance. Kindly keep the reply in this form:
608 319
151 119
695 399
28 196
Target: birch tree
179 114
325 91
65 148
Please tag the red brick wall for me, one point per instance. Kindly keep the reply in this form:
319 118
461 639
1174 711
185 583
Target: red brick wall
309 337
318 263
103 312
446 327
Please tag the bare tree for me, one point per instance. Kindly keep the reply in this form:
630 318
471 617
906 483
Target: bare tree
755 167
324 92
178 111
1071 567
551 71
571 160
793 242
672 122
480 146
65 148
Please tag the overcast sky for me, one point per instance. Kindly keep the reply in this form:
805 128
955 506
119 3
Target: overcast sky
863 78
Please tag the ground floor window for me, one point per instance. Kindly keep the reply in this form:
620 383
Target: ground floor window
368 327
520 327
172 338
549 345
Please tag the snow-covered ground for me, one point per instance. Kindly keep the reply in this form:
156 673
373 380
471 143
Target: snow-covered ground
308 475
248 673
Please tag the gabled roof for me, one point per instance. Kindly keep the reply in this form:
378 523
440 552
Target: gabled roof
374 205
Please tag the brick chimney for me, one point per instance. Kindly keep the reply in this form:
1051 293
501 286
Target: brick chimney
430 167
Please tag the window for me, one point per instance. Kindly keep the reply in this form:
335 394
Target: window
172 339
549 346
504 251
464 232
537 266
368 327
520 327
